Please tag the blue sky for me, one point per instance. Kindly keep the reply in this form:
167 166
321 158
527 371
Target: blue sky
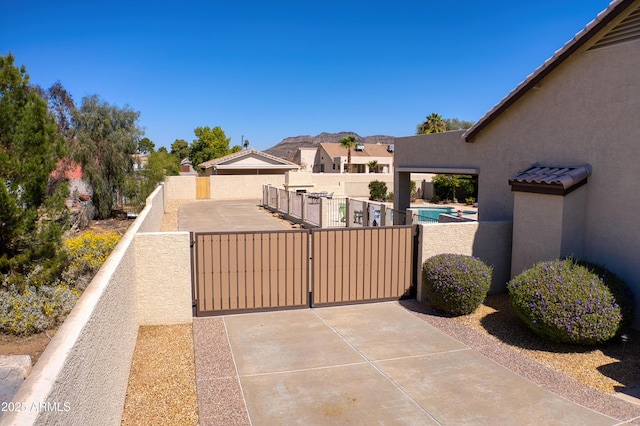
267 70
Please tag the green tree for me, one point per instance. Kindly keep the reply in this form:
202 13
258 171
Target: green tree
373 166
211 143
137 187
457 124
180 148
377 190
245 144
106 136
433 124
146 146
348 143
30 147
444 185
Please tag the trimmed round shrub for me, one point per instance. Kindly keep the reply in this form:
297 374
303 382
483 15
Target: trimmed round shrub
571 302
455 284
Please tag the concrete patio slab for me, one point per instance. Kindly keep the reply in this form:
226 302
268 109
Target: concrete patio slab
222 216
285 341
350 394
368 364
465 387
402 333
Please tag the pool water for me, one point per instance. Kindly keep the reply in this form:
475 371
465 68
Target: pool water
431 214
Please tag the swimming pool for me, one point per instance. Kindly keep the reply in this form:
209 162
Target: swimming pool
431 214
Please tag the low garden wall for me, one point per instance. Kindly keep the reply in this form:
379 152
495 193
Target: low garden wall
82 376
489 241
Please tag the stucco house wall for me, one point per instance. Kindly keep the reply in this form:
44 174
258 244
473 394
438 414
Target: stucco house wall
584 112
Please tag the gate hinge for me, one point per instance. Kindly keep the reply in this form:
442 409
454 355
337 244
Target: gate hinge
192 243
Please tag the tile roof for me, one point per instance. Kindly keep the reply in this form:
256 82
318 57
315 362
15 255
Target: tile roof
550 180
239 154
603 19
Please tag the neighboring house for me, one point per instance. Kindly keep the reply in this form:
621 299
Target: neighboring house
559 156
306 157
332 158
248 162
140 161
186 168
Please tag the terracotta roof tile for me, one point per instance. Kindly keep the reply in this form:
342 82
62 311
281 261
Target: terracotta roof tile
548 179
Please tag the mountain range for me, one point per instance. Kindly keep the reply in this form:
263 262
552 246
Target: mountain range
287 147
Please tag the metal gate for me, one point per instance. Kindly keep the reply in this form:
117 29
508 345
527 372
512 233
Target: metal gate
238 271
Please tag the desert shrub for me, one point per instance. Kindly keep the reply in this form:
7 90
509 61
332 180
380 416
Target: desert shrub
35 309
565 301
455 284
469 201
87 253
377 190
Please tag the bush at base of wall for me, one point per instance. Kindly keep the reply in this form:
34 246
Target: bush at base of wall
571 302
455 284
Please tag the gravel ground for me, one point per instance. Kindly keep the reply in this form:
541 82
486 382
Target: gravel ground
162 385
162 388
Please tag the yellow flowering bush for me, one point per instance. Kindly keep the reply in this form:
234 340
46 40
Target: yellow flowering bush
87 253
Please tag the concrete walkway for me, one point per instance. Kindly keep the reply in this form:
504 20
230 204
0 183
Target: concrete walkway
220 216
361 364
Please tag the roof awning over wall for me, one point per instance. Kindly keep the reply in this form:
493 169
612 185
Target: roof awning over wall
550 180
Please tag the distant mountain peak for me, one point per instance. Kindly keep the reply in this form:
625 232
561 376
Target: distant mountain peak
288 146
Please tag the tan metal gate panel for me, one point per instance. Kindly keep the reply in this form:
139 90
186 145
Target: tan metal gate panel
203 188
361 264
250 270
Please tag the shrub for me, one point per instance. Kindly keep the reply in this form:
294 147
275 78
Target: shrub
566 301
88 252
456 284
469 201
377 190
35 309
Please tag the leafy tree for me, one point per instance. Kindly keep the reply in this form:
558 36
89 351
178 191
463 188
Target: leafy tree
162 149
457 124
348 143
444 185
433 124
138 187
180 148
146 146
30 147
211 143
106 136
373 166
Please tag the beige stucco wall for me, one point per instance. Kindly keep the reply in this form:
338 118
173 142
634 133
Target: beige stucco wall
489 241
242 187
585 111
180 188
150 217
163 277
87 362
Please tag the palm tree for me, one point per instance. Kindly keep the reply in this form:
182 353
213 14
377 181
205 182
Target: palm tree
433 124
348 142
373 166
245 144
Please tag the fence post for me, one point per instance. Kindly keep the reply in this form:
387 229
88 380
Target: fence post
409 217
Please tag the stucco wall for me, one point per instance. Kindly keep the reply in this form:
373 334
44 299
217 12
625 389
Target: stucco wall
163 277
150 217
87 363
489 241
85 367
585 111
242 187
180 187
